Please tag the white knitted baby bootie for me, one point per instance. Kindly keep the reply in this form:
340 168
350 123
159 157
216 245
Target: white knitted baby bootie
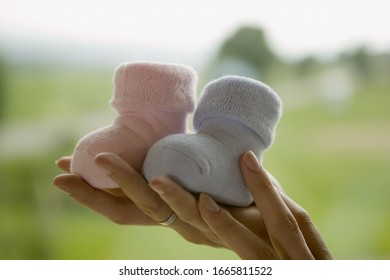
235 114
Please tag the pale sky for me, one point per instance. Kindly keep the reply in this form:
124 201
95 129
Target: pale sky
295 27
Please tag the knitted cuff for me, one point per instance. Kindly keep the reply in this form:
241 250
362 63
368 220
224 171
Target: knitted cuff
245 100
151 86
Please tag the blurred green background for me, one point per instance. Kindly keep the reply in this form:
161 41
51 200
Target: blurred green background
331 153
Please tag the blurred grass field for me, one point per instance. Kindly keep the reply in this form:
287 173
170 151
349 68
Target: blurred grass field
333 163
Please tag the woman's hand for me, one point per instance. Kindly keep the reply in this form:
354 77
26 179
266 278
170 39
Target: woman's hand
282 230
149 204
292 233
120 210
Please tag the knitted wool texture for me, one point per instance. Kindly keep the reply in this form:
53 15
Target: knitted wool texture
235 114
152 101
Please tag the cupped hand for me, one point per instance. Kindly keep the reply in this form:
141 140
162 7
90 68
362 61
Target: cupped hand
149 204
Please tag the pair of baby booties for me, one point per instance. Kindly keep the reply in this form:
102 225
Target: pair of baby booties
233 115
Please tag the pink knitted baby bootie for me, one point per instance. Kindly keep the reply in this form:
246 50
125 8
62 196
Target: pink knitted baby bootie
152 101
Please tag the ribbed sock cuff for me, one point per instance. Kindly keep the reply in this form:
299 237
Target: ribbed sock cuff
150 86
241 99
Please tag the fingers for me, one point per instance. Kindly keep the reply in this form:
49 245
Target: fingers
118 209
250 217
154 206
309 230
134 186
282 226
238 237
180 201
64 163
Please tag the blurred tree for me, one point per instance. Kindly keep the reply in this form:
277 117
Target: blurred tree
248 44
361 60
307 65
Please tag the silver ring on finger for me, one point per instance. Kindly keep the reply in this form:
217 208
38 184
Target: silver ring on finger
171 219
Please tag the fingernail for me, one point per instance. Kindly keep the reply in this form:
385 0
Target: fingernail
101 164
63 188
208 203
60 159
157 186
251 161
